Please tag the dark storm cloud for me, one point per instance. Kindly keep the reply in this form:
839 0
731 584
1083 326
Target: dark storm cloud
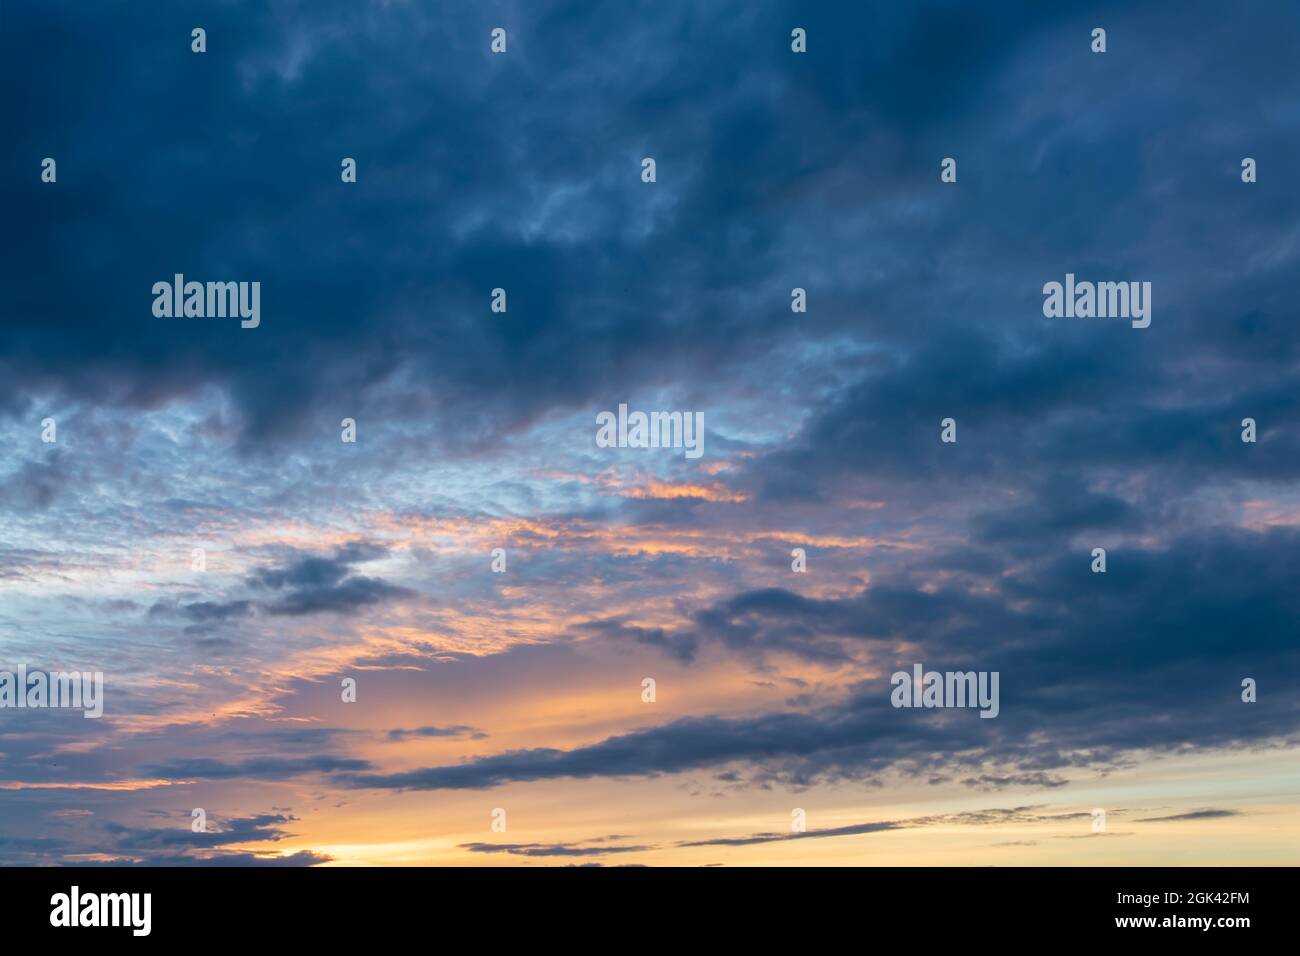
682 745
1062 505
473 174
1085 679
1028 410
957 324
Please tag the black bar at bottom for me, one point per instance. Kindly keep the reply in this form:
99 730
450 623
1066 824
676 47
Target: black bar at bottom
638 907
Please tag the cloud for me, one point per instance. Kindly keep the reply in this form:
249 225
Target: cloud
266 826
853 830
1077 691
1210 814
455 730
221 859
304 585
36 484
995 816
550 849
178 845
312 585
253 768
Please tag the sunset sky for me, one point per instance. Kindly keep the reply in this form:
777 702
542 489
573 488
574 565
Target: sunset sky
522 690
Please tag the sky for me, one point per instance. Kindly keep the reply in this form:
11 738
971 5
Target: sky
501 715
